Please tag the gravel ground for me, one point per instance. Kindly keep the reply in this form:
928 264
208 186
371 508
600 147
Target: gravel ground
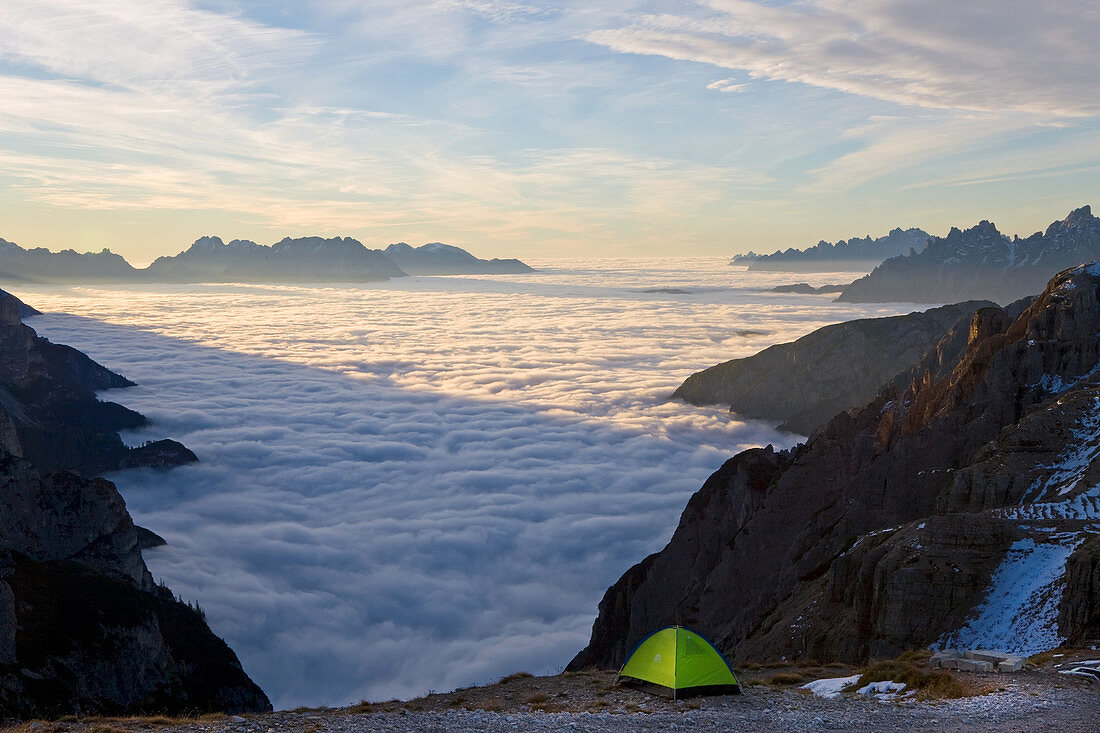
1064 710
590 701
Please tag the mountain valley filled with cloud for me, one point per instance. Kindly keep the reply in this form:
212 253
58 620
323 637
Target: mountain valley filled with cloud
429 482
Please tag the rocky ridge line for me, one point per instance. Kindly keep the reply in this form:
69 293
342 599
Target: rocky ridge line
803 383
853 253
894 524
209 259
980 262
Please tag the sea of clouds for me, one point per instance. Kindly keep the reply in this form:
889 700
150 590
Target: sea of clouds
426 483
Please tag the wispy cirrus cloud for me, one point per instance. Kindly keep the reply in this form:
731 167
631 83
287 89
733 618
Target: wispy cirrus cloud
987 55
521 127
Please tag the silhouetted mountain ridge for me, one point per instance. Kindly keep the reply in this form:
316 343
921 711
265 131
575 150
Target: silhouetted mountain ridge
981 262
209 259
854 253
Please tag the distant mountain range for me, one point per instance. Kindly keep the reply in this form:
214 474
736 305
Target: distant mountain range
981 263
437 258
209 259
852 254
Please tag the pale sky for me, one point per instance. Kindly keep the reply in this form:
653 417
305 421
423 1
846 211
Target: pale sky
556 128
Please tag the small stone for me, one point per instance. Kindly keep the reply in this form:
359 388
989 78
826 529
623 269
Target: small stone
235 719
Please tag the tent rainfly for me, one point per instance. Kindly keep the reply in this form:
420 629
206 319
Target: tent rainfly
678 662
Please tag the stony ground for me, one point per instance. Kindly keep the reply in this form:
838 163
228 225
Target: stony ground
1031 700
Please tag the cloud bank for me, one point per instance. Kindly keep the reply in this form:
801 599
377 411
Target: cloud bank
428 483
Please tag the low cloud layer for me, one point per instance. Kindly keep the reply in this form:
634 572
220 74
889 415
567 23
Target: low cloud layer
427 483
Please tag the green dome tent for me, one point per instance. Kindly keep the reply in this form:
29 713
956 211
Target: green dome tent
678 662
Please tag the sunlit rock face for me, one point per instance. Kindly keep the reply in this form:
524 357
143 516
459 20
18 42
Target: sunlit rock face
980 262
904 523
804 383
83 626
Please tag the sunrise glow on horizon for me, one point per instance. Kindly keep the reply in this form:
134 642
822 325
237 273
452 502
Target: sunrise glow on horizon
616 128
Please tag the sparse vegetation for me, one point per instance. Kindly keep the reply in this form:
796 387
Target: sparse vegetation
1042 658
491 705
786 678
515 676
911 668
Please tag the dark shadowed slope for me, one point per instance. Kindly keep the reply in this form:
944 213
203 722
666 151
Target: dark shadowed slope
49 413
980 262
804 383
83 628
915 518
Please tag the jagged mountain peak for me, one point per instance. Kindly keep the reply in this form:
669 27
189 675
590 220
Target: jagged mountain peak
984 229
207 243
317 243
981 262
1079 220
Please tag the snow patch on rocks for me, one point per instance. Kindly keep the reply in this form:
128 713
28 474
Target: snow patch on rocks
1020 610
830 687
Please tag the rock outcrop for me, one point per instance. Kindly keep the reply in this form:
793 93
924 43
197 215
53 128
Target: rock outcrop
803 383
49 412
852 254
437 258
83 627
980 262
959 506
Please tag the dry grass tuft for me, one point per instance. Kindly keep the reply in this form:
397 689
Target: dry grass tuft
912 669
786 678
1042 658
492 705
515 676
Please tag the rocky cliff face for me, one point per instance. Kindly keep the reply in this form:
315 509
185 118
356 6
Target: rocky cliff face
437 258
853 253
959 506
980 262
83 628
804 383
50 415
